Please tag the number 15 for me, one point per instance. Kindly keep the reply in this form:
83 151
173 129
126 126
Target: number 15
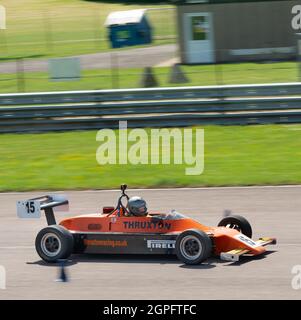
30 207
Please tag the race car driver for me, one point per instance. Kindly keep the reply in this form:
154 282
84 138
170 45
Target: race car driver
137 207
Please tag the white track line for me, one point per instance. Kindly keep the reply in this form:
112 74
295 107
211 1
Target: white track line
156 189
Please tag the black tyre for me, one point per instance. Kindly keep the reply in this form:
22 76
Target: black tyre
193 246
53 243
237 222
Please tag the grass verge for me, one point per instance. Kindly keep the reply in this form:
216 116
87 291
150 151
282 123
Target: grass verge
234 155
129 78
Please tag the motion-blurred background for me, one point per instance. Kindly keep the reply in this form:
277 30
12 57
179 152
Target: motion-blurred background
252 133
256 34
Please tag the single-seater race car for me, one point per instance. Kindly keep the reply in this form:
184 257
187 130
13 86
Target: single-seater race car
130 229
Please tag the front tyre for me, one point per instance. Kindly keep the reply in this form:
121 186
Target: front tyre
193 246
238 223
54 243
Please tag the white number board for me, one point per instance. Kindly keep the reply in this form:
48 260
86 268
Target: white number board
246 240
28 209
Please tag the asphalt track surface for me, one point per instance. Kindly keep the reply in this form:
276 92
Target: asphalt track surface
272 211
129 58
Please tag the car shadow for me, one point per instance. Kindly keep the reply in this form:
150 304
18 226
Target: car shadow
214 261
116 258
42 263
145 259
247 259
113 258
208 264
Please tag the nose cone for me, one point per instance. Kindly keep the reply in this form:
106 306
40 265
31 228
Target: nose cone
227 239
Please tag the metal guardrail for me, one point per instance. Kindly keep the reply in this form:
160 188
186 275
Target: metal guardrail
155 107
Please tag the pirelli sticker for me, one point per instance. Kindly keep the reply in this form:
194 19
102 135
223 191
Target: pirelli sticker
161 244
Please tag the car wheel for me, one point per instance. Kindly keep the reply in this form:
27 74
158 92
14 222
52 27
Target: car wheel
238 223
53 243
193 246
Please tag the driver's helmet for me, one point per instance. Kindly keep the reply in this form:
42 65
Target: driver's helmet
137 206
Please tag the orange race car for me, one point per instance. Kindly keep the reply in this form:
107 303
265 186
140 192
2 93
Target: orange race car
130 229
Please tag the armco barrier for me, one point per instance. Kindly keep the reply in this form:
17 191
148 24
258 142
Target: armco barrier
155 107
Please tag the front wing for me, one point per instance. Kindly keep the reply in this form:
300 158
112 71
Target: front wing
233 255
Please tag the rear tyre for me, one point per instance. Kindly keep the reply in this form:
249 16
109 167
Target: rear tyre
238 223
193 246
54 243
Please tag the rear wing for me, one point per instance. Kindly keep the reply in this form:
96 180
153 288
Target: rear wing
32 208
